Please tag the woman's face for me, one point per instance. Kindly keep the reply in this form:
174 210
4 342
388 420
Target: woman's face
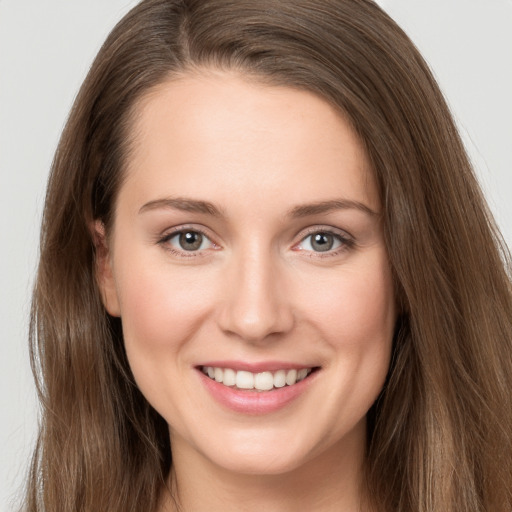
247 251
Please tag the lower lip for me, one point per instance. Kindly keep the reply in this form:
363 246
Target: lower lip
255 402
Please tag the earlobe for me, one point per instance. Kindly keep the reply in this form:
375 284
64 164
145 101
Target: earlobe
104 270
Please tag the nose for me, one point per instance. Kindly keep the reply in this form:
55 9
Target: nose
256 304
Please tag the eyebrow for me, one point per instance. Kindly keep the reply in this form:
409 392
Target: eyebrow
321 207
183 204
304 210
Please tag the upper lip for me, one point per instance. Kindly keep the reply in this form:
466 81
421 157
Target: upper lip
256 367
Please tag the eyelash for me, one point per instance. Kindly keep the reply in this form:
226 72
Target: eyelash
164 241
346 242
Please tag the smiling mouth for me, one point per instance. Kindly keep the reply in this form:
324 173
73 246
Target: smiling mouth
262 381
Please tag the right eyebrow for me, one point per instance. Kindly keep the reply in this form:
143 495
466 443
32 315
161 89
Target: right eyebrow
183 204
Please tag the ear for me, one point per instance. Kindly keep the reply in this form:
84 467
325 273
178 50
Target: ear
103 269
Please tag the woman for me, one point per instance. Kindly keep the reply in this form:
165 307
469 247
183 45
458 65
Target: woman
268 277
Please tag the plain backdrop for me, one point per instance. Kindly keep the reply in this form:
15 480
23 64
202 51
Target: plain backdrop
46 48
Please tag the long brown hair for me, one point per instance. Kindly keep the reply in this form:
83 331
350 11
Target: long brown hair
439 436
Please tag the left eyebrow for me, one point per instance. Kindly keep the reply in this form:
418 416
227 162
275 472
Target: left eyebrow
307 210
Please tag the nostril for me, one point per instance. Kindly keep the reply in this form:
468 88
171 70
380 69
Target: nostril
256 326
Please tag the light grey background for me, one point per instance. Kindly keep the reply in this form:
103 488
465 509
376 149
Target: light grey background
45 51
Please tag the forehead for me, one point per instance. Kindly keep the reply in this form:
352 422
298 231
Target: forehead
192 134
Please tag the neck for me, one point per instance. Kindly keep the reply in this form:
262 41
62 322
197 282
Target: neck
332 481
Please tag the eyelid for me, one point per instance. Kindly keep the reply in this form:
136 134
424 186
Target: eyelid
320 228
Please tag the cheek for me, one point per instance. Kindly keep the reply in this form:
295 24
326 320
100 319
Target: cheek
159 310
368 312
356 318
357 306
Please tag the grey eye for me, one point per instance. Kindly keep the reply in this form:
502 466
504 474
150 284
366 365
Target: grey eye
187 241
190 240
322 242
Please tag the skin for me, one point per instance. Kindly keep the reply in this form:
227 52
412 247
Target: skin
256 290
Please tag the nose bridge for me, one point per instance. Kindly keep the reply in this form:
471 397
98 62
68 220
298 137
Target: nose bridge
257 304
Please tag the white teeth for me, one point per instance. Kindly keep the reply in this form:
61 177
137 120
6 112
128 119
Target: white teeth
263 381
291 377
280 379
229 377
301 374
244 380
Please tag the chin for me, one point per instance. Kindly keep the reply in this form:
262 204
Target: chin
259 462
272 451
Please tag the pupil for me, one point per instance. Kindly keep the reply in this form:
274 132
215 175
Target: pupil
322 242
191 241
